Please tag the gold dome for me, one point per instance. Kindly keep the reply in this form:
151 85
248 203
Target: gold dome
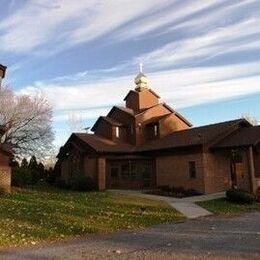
141 80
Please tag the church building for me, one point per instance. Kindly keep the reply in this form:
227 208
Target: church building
147 144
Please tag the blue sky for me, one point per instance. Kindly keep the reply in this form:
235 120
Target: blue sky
202 57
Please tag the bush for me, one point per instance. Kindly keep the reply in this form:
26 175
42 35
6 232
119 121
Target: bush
22 177
80 182
240 196
60 183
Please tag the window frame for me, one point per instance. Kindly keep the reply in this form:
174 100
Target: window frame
192 170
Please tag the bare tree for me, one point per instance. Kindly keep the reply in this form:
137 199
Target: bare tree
27 122
250 119
75 121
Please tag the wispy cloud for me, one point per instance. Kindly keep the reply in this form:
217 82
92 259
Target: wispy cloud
63 23
232 38
180 87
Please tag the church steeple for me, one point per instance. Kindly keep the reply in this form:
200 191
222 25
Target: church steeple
141 80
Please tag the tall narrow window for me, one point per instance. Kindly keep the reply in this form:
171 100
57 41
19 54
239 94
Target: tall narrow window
155 130
117 132
192 169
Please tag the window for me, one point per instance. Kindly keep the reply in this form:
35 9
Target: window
117 132
192 169
114 172
125 171
155 130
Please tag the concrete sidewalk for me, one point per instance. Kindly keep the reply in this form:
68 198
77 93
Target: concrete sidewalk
186 205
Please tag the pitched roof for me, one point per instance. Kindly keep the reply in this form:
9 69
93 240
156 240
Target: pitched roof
136 92
107 119
246 136
100 144
196 136
124 109
177 114
190 137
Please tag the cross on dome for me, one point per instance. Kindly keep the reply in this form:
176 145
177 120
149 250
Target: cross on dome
141 80
141 67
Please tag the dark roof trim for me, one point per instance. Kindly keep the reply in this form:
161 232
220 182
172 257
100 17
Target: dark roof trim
179 148
65 147
154 93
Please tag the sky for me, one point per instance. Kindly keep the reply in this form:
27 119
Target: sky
201 57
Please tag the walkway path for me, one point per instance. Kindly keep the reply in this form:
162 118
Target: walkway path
186 205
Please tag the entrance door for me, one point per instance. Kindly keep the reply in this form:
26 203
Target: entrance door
236 165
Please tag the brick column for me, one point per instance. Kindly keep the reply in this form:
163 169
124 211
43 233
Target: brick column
101 173
252 170
5 179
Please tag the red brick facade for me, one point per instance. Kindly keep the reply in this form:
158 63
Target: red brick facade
5 154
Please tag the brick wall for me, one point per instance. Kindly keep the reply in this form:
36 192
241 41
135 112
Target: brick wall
5 179
5 173
90 167
101 173
217 171
173 170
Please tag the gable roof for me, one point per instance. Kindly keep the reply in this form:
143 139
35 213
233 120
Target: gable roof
177 114
196 136
100 144
107 119
191 137
124 109
248 136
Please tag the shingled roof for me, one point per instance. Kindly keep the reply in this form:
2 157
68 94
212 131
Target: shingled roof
107 119
185 138
100 144
247 136
192 137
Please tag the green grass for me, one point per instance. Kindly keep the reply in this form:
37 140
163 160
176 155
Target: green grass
32 215
223 206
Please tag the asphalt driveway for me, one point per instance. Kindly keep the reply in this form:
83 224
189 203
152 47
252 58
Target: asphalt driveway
236 237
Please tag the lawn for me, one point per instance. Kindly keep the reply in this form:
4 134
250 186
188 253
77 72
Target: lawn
29 216
223 206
